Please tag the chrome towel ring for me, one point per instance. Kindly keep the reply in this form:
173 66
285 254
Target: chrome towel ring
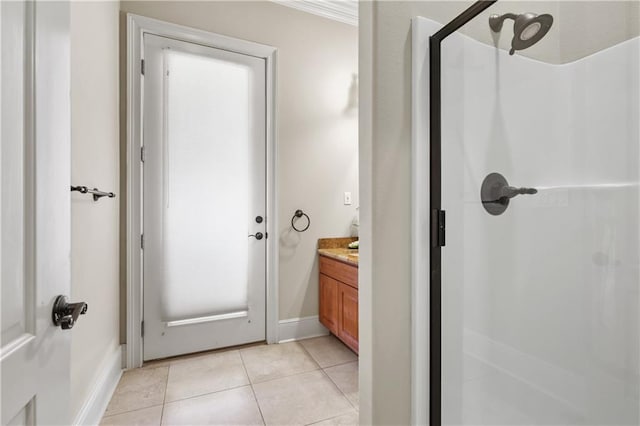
298 214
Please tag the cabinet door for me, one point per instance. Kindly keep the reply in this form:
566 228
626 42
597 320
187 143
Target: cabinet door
329 303
348 315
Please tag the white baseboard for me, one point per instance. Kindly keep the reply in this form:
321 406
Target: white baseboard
96 403
123 356
300 328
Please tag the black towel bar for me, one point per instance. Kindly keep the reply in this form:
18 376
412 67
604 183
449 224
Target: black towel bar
97 194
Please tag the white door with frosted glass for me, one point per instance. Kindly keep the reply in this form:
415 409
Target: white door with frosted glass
204 198
35 211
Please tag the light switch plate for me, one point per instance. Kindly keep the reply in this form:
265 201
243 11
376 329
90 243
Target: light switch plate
347 198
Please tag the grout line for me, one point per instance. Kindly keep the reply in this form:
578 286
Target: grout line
330 418
321 369
344 395
253 391
208 393
334 365
288 375
310 356
285 376
342 363
342 392
331 380
187 357
164 396
131 411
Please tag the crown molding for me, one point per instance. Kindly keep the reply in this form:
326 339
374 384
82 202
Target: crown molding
345 11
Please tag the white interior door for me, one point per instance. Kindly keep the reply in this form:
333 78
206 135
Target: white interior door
204 198
35 211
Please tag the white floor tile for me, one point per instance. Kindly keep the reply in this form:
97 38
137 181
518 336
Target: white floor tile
205 374
328 351
231 407
300 399
274 361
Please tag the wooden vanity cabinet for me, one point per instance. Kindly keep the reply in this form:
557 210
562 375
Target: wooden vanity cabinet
348 315
329 303
339 300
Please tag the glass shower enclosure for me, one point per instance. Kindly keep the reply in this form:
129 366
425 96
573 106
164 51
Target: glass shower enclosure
534 153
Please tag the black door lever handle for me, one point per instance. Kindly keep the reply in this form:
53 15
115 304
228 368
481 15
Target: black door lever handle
257 235
66 314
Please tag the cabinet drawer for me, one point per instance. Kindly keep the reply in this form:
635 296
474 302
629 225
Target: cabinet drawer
347 274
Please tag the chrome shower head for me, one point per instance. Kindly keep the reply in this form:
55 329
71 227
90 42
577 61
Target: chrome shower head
528 28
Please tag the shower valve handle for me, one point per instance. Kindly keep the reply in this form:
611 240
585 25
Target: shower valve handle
512 191
496 192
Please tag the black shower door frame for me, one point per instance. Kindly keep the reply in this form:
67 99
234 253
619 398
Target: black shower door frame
437 229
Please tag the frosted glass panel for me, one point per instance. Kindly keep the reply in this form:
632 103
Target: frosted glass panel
12 170
206 186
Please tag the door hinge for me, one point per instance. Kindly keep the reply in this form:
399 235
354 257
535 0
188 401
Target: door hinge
142 329
438 227
142 153
142 241
142 66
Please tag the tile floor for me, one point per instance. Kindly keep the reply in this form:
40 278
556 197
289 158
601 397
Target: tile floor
312 381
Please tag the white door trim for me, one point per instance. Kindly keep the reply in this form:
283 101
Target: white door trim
136 27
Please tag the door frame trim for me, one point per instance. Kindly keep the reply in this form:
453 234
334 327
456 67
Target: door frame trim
137 26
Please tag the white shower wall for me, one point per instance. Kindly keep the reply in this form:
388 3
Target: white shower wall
541 320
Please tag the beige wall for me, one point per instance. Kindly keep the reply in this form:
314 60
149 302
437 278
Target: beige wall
316 137
94 162
385 148
588 28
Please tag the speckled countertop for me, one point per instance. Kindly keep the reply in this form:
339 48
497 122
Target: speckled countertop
336 248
